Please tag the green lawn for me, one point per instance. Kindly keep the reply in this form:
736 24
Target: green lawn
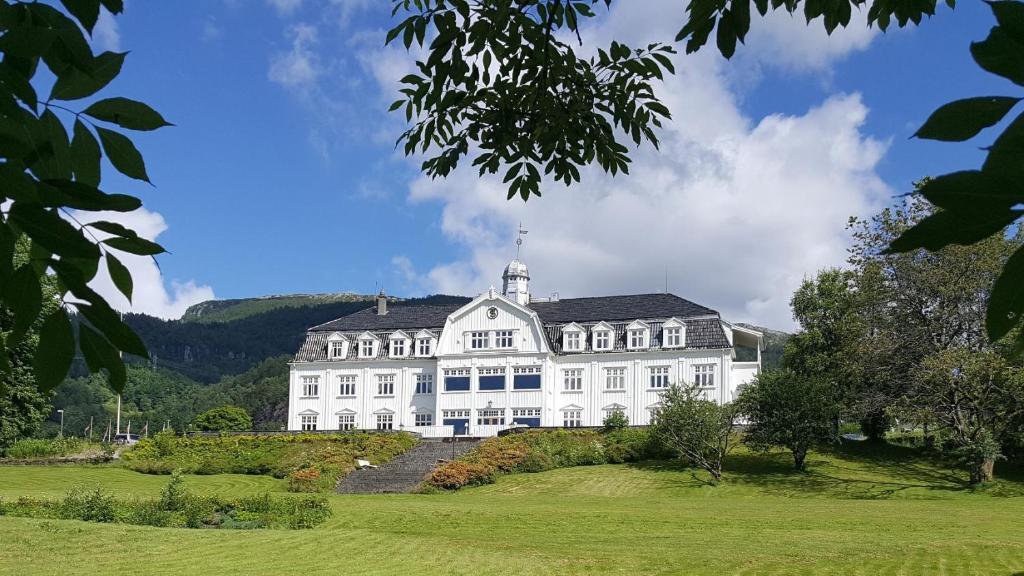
858 512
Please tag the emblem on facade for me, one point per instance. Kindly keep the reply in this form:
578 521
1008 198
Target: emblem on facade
492 312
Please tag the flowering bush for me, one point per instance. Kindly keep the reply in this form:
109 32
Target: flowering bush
304 480
457 474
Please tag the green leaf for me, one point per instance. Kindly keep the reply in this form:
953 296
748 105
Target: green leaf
1010 15
104 319
965 226
85 155
1001 55
963 119
55 352
113 6
1006 301
100 354
86 11
113 228
139 246
53 151
51 231
24 297
18 84
120 275
971 188
123 154
68 194
73 83
126 113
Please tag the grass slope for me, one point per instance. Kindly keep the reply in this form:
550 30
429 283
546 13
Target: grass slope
855 512
229 310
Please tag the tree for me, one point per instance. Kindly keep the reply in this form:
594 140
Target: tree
976 399
50 168
224 419
502 77
790 410
698 430
616 420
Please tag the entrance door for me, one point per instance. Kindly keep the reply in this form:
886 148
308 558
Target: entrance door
461 425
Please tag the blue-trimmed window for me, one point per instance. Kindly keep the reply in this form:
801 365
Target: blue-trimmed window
456 383
456 380
492 379
526 378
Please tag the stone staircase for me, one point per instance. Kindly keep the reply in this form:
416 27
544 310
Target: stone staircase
406 471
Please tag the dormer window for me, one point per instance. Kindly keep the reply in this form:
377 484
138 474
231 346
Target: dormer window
424 345
337 346
572 338
636 335
368 345
399 345
603 339
673 334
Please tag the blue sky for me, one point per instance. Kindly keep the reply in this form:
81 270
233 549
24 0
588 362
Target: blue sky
280 175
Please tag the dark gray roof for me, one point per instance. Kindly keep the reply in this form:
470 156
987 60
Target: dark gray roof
609 308
399 317
314 349
703 328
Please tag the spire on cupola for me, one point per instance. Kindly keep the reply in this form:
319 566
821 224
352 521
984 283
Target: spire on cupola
516 279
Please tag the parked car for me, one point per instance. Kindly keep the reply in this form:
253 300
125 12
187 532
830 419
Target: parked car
126 439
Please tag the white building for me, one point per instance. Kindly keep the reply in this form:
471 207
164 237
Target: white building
506 360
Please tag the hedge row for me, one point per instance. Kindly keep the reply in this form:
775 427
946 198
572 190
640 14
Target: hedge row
44 448
177 508
310 462
540 450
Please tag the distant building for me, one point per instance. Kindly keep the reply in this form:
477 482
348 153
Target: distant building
506 360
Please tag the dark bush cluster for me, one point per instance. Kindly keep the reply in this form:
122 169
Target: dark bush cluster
178 508
538 451
310 462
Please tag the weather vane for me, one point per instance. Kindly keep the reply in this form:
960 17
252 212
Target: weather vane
519 239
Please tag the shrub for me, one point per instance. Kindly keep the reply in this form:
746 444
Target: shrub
536 462
457 474
224 419
92 505
304 480
148 513
47 448
174 495
631 445
615 421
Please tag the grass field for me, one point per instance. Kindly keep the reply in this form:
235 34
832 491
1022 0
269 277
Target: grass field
857 512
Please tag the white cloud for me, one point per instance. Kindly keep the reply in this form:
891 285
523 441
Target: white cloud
285 7
105 34
737 210
151 294
786 41
298 67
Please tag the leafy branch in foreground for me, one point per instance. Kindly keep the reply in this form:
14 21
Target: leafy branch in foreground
48 172
500 76
977 204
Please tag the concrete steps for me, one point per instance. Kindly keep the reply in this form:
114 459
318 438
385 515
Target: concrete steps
406 471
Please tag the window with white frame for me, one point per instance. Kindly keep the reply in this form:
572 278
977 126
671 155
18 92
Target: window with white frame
346 385
704 375
638 339
490 417
479 340
307 422
672 337
616 409
398 347
526 378
615 379
423 347
337 349
573 341
659 376
526 412
424 383
504 339
385 385
572 380
366 348
603 340
346 421
456 379
423 419
310 386
572 418
455 413
385 421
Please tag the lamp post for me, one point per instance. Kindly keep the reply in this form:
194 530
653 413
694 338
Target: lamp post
61 412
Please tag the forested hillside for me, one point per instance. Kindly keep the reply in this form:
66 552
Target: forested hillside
236 309
208 351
